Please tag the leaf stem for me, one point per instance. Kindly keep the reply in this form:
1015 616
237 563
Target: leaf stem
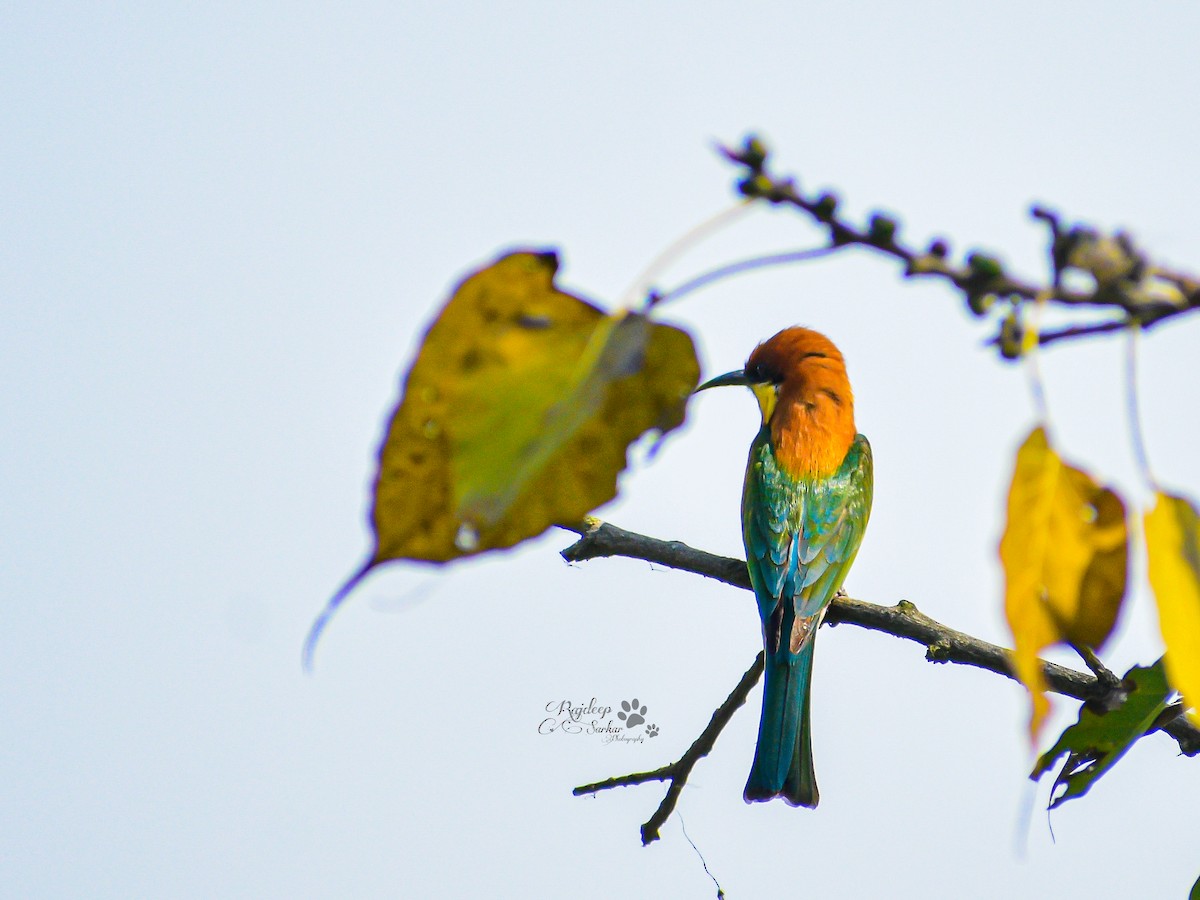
1133 407
1033 369
736 268
678 247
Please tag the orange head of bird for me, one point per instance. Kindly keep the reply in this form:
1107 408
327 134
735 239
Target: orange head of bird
799 379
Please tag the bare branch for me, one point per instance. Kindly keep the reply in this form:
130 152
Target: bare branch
600 539
677 772
904 620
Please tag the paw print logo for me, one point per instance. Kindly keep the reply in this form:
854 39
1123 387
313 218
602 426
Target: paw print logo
632 715
652 730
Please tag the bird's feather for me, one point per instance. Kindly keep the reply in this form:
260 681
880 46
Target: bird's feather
801 535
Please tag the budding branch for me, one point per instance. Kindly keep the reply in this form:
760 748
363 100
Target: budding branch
1143 292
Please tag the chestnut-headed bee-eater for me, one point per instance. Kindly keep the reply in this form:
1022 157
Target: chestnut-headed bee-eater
805 505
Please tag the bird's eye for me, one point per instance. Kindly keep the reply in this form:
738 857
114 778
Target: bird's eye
760 374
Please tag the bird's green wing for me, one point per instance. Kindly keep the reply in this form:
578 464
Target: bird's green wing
802 534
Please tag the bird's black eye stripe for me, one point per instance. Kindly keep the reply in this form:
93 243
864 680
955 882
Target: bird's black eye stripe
760 374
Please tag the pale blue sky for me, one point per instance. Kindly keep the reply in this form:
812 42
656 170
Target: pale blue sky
224 228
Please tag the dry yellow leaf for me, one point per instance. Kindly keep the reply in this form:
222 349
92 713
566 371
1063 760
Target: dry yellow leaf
1065 555
518 412
1173 546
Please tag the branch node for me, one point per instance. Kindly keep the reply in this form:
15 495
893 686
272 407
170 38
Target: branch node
939 651
1103 674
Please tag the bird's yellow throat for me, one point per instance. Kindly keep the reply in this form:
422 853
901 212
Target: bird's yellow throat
767 395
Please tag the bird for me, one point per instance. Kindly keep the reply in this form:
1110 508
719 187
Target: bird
806 500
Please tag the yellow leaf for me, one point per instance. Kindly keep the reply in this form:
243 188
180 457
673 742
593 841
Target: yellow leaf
518 412
1173 546
516 415
1065 555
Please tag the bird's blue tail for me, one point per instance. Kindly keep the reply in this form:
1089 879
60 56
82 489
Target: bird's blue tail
783 765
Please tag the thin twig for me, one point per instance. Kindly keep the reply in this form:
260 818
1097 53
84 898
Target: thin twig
1076 331
677 772
703 861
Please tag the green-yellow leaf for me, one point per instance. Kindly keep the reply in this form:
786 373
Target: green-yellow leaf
1097 740
1173 546
516 415
1065 557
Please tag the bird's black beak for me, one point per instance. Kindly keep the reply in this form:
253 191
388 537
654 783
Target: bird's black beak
729 379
